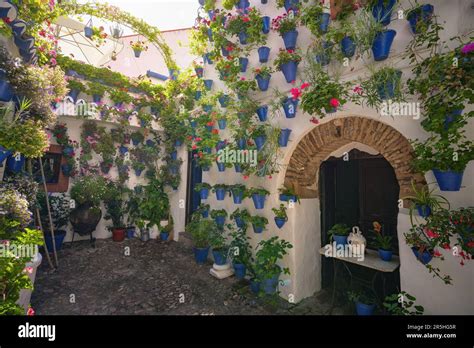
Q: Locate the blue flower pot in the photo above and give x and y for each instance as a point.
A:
(255, 286)
(197, 95)
(241, 143)
(220, 194)
(208, 84)
(164, 236)
(96, 98)
(290, 38)
(199, 72)
(24, 44)
(88, 32)
(423, 210)
(6, 91)
(425, 13)
(66, 169)
(364, 309)
(289, 106)
(15, 163)
(387, 90)
(123, 149)
(224, 51)
(18, 26)
(323, 26)
(284, 137)
(385, 255)
(173, 170)
(239, 222)
(224, 100)
(259, 142)
(138, 172)
(425, 257)
(205, 214)
(382, 43)
(242, 4)
(58, 240)
(209, 128)
(150, 143)
(174, 155)
(237, 196)
(200, 254)
(263, 54)
(220, 220)
(348, 47)
(4, 153)
(289, 71)
(220, 167)
(74, 94)
(263, 82)
(207, 108)
(262, 112)
(270, 285)
(137, 53)
(238, 168)
(222, 124)
(204, 193)
(243, 38)
(208, 59)
(291, 5)
(178, 143)
(383, 13)
(279, 221)
(448, 180)
(286, 198)
(131, 232)
(220, 258)
(240, 270)
(265, 24)
(340, 240)
(258, 201)
(452, 117)
(257, 229)
(243, 64)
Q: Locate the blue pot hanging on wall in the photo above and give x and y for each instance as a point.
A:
(4, 153)
(348, 47)
(241, 143)
(263, 54)
(243, 38)
(88, 32)
(220, 221)
(284, 137)
(204, 193)
(224, 100)
(423, 210)
(262, 113)
(220, 194)
(452, 117)
(243, 64)
(6, 90)
(237, 196)
(387, 90)
(423, 13)
(199, 71)
(208, 84)
(289, 106)
(222, 124)
(289, 71)
(237, 168)
(74, 94)
(424, 257)
(242, 4)
(291, 5)
(448, 180)
(290, 38)
(325, 18)
(265, 24)
(259, 142)
(18, 27)
(257, 229)
(382, 44)
(279, 221)
(263, 82)
(8, 10)
(24, 43)
(258, 201)
(382, 12)
(221, 166)
(239, 222)
(15, 163)
(197, 95)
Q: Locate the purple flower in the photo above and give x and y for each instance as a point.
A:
(468, 48)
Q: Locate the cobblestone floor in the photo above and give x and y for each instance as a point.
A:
(157, 278)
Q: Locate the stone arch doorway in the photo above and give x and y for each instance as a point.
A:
(303, 167)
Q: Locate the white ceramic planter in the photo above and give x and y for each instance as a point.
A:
(25, 294)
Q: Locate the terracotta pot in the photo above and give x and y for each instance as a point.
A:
(118, 234)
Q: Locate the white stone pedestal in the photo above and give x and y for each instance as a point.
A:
(221, 272)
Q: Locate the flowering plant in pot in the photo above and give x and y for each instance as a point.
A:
(258, 223)
(203, 189)
(258, 196)
(241, 218)
(247, 26)
(339, 233)
(114, 203)
(240, 252)
(138, 47)
(220, 248)
(60, 209)
(263, 76)
(238, 192)
(425, 201)
(269, 253)
(280, 215)
(364, 301)
(343, 35)
(315, 19)
(96, 90)
(288, 195)
(137, 137)
(462, 225)
(220, 190)
(287, 62)
(383, 242)
(219, 216)
(201, 231)
(285, 25)
(243, 86)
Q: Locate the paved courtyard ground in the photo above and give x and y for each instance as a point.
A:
(156, 278)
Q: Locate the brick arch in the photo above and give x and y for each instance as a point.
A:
(316, 146)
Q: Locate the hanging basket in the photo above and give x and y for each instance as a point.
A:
(290, 38)
(382, 44)
(263, 54)
(263, 82)
(284, 137)
(262, 113)
(448, 180)
(289, 71)
(265, 24)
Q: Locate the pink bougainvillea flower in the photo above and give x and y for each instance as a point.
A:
(305, 85)
(468, 48)
(334, 102)
(30, 312)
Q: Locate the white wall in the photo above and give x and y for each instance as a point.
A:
(303, 227)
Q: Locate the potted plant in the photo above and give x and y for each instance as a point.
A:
(166, 230)
(238, 191)
(137, 138)
(315, 18)
(138, 47)
(424, 201)
(246, 26)
(269, 253)
(217, 241)
(285, 25)
(284, 136)
(344, 36)
(96, 90)
(115, 205)
(383, 84)
(382, 10)
(203, 189)
(262, 112)
(339, 233)
(75, 88)
(258, 223)
(383, 242)
(287, 62)
(154, 205)
(220, 190)
(60, 209)
(241, 218)
(263, 76)
(201, 230)
(290, 106)
(240, 252)
(420, 17)
(263, 54)
(203, 210)
(364, 302)
(288, 195)
(258, 196)
(219, 216)
(280, 215)
(259, 135)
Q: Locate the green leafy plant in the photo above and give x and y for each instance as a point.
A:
(286, 56)
(339, 230)
(269, 253)
(89, 190)
(240, 249)
(402, 304)
(218, 213)
(256, 190)
(363, 296)
(201, 231)
(258, 221)
(285, 23)
(280, 212)
(424, 197)
(115, 204)
(311, 17)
